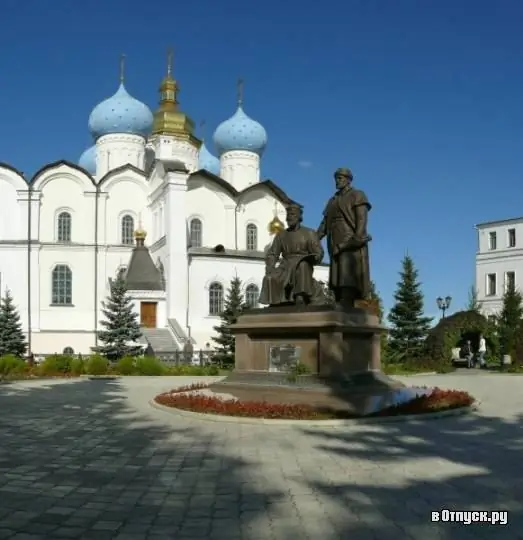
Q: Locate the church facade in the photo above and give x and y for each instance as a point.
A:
(147, 201)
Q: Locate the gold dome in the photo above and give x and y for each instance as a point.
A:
(140, 234)
(168, 119)
(276, 226)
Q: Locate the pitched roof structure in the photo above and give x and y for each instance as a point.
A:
(142, 274)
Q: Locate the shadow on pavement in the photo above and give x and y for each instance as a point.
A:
(77, 461)
(461, 463)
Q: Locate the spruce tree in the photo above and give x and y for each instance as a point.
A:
(12, 339)
(234, 305)
(122, 329)
(509, 320)
(375, 296)
(408, 325)
(473, 304)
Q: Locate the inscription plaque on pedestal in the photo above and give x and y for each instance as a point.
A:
(283, 357)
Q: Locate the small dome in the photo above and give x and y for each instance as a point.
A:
(121, 113)
(240, 132)
(207, 161)
(88, 160)
(275, 226)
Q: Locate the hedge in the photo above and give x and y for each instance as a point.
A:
(450, 333)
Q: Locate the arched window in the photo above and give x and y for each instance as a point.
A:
(252, 294)
(215, 299)
(68, 351)
(195, 232)
(127, 229)
(62, 286)
(63, 233)
(252, 237)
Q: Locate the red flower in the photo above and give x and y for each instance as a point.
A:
(187, 398)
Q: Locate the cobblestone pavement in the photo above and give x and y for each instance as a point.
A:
(91, 459)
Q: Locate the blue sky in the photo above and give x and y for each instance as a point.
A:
(423, 99)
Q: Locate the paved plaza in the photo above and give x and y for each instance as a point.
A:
(91, 459)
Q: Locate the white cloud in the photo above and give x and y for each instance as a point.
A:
(305, 164)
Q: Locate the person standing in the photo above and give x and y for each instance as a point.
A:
(482, 350)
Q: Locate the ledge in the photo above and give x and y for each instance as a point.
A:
(412, 418)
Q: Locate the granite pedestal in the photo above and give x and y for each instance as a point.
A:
(339, 353)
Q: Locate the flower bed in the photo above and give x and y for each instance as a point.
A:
(190, 399)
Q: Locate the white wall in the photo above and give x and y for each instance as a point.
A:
(498, 261)
(205, 270)
(240, 168)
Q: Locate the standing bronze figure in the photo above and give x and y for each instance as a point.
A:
(289, 279)
(345, 226)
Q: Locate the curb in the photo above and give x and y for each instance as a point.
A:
(316, 423)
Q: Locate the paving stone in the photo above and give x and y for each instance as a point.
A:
(93, 460)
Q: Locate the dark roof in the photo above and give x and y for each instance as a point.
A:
(276, 191)
(142, 274)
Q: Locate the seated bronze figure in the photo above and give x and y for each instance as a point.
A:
(290, 264)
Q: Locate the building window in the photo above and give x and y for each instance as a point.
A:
(510, 281)
(491, 284)
(127, 231)
(195, 232)
(215, 299)
(68, 351)
(63, 233)
(252, 237)
(511, 238)
(62, 286)
(252, 294)
(492, 240)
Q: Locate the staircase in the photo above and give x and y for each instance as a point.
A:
(160, 340)
(179, 333)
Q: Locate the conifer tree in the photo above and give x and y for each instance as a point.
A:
(408, 324)
(122, 329)
(509, 320)
(12, 339)
(375, 296)
(233, 307)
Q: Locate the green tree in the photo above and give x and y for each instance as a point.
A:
(122, 330)
(233, 308)
(473, 304)
(509, 320)
(375, 296)
(408, 324)
(12, 339)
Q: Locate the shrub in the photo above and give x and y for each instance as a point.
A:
(77, 366)
(188, 398)
(10, 364)
(193, 371)
(149, 365)
(56, 364)
(97, 365)
(450, 332)
(125, 366)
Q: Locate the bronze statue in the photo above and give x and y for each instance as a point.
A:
(345, 226)
(289, 280)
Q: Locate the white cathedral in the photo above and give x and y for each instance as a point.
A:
(149, 202)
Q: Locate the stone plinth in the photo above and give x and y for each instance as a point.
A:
(332, 343)
(341, 351)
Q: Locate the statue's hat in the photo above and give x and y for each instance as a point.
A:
(343, 171)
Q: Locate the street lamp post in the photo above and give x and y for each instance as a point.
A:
(443, 304)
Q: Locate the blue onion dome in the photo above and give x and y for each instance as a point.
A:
(240, 132)
(207, 161)
(121, 113)
(88, 160)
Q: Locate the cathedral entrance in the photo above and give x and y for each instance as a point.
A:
(148, 314)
